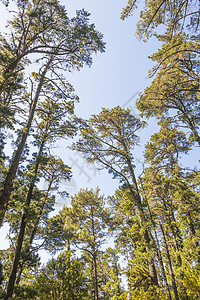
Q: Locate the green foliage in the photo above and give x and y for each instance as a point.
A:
(109, 139)
(171, 13)
(127, 11)
(166, 147)
(109, 276)
(154, 222)
(140, 286)
(191, 282)
(56, 235)
(87, 219)
(62, 278)
(174, 93)
(25, 291)
(42, 28)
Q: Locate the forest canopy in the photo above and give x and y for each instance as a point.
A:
(142, 241)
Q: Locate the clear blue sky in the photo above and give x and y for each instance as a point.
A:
(122, 70)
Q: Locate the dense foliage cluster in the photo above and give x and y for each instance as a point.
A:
(153, 219)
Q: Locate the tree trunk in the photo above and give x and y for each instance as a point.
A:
(160, 260)
(152, 268)
(169, 263)
(150, 260)
(34, 231)
(96, 292)
(8, 183)
(159, 254)
(177, 239)
(11, 282)
(13, 273)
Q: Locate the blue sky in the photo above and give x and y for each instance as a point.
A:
(115, 78)
(122, 70)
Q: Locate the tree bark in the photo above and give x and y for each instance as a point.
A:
(8, 183)
(159, 254)
(34, 231)
(147, 240)
(150, 260)
(11, 282)
(13, 273)
(96, 292)
(169, 263)
(160, 260)
(177, 239)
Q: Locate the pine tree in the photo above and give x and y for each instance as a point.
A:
(174, 93)
(70, 46)
(53, 124)
(109, 139)
(90, 218)
(62, 278)
(172, 14)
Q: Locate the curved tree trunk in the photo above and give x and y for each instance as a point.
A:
(34, 231)
(147, 240)
(160, 260)
(96, 292)
(8, 183)
(169, 263)
(13, 273)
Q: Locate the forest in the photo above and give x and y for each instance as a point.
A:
(142, 241)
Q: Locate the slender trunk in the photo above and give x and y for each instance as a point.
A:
(169, 263)
(159, 254)
(118, 285)
(174, 229)
(150, 260)
(11, 282)
(147, 240)
(8, 183)
(19, 275)
(176, 245)
(160, 260)
(96, 292)
(13, 273)
(34, 231)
